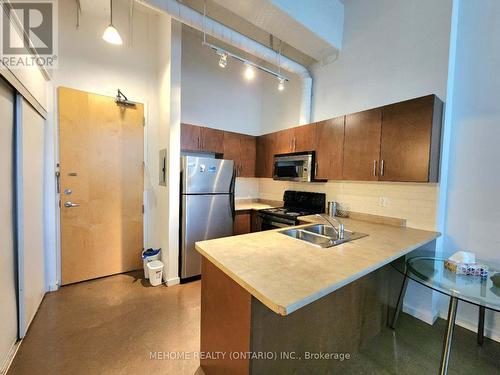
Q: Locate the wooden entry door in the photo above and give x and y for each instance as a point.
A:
(101, 166)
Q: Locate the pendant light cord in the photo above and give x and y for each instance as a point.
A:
(204, 23)
(111, 12)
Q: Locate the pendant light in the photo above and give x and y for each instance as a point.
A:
(111, 35)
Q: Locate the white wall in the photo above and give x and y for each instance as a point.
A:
(169, 94)
(473, 204)
(88, 63)
(215, 97)
(392, 50)
(223, 99)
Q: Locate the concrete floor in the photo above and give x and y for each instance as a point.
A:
(111, 325)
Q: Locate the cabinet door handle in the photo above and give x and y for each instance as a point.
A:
(315, 169)
(294, 144)
(382, 167)
(198, 140)
(374, 167)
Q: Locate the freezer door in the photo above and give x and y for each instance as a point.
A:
(204, 217)
(206, 175)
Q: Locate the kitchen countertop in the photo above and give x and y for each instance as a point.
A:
(286, 274)
(246, 204)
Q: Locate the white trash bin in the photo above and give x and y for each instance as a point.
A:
(155, 270)
(148, 256)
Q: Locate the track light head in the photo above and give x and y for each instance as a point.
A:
(281, 85)
(223, 59)
(249, 72)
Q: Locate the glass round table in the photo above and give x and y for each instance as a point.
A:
(431, 272)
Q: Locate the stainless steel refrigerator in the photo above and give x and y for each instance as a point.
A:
(206, 207)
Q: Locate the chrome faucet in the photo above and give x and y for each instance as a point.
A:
(328, 218)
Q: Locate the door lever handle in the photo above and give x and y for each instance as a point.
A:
(70, 204)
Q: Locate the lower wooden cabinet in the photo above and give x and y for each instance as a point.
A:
(242, 223)
(256, 224)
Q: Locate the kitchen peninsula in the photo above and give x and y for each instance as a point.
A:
(269, 293)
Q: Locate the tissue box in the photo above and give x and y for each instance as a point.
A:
(468, 269)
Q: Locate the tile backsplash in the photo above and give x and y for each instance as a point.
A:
(417, 203)
(247, 188)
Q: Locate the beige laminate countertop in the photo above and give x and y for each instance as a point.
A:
(244, 206)
(286, 274)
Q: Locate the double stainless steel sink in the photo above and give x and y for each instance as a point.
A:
(321, 235)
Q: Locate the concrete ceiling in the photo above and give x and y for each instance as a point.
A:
(314, 27)
(247, 28)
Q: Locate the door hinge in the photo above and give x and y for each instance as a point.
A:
(142, 208)
(144, 121)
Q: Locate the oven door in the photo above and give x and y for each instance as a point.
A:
(269, 222)
(293, 167)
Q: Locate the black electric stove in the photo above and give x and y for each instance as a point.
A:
(296, 203)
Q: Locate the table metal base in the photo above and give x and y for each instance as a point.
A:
(480, 326)
(448, 336)
(399, 304)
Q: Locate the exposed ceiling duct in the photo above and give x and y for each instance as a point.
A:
(219, 31)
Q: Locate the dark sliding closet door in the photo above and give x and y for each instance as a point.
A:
(8, 267)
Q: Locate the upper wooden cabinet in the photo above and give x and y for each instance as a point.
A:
(329, 141)
(304, 138)
(190, 137)
(266, 147)
(411, 135)
(199, 138)
(397, 142)
(248, 147)
(298, 139)
(242, 149)
(284, 141)
(362, 145)
(212, 140)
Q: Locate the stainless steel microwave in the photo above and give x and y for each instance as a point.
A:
(294, 167)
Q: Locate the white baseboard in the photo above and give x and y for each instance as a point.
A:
(173, 281)
(472, 326)
(424, 315)
(10, 357)
(53, 287)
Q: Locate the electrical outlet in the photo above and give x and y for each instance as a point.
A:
(383, 201)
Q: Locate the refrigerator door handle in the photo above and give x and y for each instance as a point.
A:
(231, 192)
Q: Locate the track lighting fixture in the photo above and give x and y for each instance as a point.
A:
(223, 59)
(250, 67)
